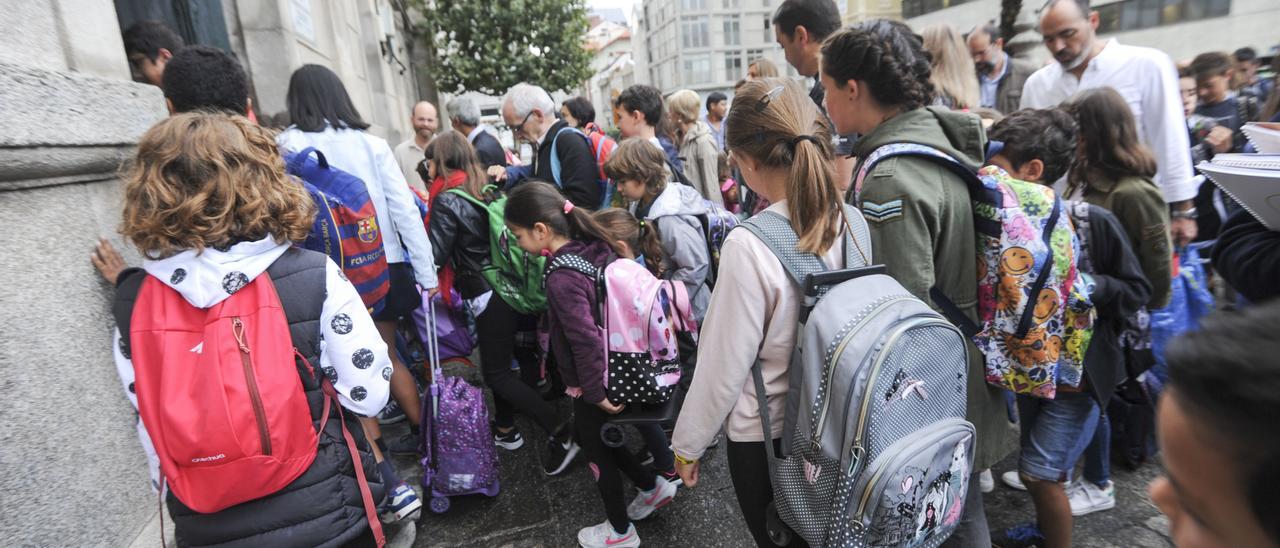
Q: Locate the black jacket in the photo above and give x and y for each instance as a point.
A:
(489, 149)
(1247, 256)
(459, 234)
(323, 506)
(578, 171)
(1120, 289)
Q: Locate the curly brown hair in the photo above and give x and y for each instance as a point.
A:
(204, 179)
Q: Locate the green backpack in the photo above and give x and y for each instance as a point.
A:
(514, 275)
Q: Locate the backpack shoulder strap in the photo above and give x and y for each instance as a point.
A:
(581, 265)
(555, 154)
(777, 233)
(926, 152)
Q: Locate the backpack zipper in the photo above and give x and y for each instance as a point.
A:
(259, 412)
(859, 322)
(857, 452)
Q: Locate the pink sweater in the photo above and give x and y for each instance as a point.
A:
(753, 311)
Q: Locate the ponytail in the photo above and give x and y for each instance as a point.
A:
(536, 202)
(639, 235)
(774, 122)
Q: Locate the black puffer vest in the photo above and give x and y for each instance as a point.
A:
(323, 506)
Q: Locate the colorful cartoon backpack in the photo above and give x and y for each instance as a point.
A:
(1035, 319)
(640, 315)
(346, 225)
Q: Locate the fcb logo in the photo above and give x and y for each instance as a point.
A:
(368, 230)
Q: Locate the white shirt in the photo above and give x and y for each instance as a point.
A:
(404, 237)
(1148, 81)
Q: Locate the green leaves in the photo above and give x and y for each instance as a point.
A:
(489, 46)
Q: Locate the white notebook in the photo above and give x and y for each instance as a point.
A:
(1264, 136)
(1257, 190)
(1253, 161)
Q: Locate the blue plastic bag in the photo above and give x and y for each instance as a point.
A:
(1190, 301)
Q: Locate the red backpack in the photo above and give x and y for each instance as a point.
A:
(219, 393)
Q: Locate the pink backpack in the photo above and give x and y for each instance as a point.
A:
(640, 319)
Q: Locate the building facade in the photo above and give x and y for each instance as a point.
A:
(71, 470)
(1181, 28)
(703, 45)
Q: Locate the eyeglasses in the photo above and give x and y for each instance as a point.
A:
(768, 98)
(525, 120)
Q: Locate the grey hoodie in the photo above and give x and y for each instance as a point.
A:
(675, 213)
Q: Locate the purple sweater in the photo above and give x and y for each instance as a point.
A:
(575, 340)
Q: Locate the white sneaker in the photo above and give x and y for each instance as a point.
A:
(1012, 480)
(986, 481)
(603, 536)
(648, 501)
(1087, 498)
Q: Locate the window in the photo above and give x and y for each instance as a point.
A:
(768, 30)
(733, 65)
(697, 69)
(1140, 14)
(694, 32)
(693, 5)
(727, 4)
(732, 37)
(753, 54)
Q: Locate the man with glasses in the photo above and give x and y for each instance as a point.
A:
(1000, 77)
(562, 153)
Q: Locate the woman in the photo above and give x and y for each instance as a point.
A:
(954, 76)
(578, 112)
(697, 145)
(782, 143)
(877, 81)
(324, 117)
(761, 68)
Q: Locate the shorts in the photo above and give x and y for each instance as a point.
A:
(1055, 433)
(402, 295)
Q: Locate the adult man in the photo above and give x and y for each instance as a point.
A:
(413, 150)
(717, 107)
(1000, 77)
(531, 113)
(464, 115)
(1247, 63)
(149, 45)
(1145, 77)
(800, 26)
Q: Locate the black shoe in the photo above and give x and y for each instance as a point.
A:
(644, 457)
(406, 444)
(1020, 536)
(559, 455)
(509, 440)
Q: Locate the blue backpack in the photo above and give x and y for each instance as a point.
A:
(606, 189)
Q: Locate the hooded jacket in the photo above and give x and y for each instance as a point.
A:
(921, 222)
(576, 341)
(328, 323)
(675, 213)
(702, 161)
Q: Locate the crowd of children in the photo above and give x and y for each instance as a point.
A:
(213, 204)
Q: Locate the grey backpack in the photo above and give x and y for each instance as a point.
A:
(876, 448)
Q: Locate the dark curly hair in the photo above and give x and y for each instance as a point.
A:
(1048, 135)
(886, 56)
(201, 77)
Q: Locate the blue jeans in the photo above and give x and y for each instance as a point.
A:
(1055, 433)
(1097, 457)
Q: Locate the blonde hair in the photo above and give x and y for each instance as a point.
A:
(686, 105)
(953, 73)
(204, 179)
(773, 121)
(765, 67)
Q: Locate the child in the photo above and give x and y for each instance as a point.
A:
(1217, 431)
(728, 186)
(1038, 147)
(325, 118)
(638, 113)
(186, 167)
(545, 223)
(459, 231)
(635, 240)
(671, 209)
(782, 143)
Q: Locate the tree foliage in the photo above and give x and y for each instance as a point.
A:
(491, 45)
